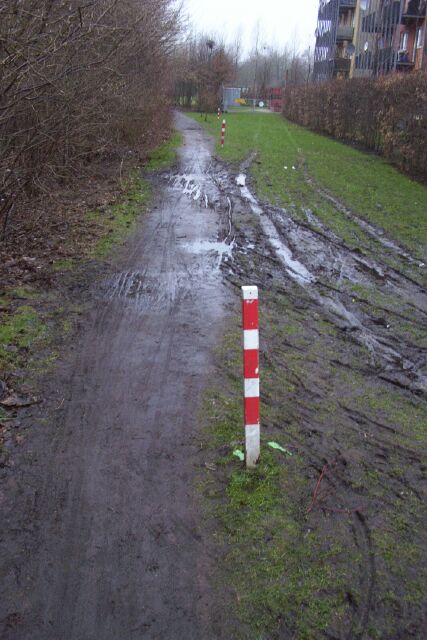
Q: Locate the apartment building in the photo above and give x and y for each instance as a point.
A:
(357, 38)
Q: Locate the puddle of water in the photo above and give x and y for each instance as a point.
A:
(188, 184)
(204, 246)
(222, 249)
(294, 268)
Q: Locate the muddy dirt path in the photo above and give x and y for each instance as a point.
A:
(110, 545)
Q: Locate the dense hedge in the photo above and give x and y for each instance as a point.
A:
(386, 114)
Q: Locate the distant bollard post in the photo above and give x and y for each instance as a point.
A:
(251, 374)
(223, 133)
(219, 112)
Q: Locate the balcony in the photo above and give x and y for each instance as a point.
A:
(391, 13)
(404, 66)
(326, 40)
(347, 4)
(415, 11)
(342, 66)
(344, 32)
(327, 11)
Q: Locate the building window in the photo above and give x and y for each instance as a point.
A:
(419, 38)
(404, 41)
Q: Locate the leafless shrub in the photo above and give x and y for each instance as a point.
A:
(78, 78)
(388, 115)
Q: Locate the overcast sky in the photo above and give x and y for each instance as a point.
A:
(282, 21)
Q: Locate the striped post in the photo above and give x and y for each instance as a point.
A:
(251, 374)
(223, 133)
(219, 112)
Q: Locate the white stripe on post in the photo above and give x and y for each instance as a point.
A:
(251, 374)
(251, 387)
(251, 339)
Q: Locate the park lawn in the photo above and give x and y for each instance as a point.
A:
(292, 162)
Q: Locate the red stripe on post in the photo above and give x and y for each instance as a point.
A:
(250, 314)
(251, 363)
(251, 411)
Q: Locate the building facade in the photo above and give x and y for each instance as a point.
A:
(334, 34)
(359, 38)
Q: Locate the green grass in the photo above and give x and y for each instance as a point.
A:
(20, 332)
(118, 221)
(165, 154)
(365, 183)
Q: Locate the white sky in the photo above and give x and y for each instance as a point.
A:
(281, 21)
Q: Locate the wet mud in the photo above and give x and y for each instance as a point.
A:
(102, 531)
(320, 262)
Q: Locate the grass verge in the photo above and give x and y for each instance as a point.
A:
(304, 573)
(292, 161)
(351, 566)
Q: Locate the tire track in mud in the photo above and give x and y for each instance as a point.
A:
(330, 259)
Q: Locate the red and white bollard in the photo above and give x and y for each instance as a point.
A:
(223, 133)
(219, 112)
(251, 374)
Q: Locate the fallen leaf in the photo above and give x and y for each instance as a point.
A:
(276, 445)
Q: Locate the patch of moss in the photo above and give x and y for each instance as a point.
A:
(19, 332)
(63, 265)
(119, 220)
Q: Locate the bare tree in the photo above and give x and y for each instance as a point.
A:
(203, 64)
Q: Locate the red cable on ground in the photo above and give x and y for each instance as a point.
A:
(317, 488)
